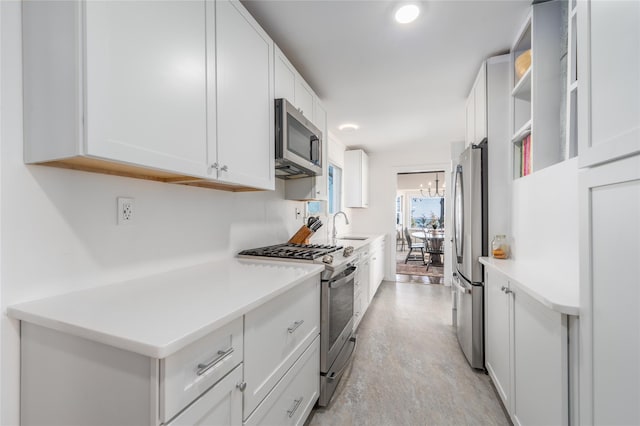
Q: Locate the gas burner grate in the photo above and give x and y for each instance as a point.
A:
(292, 251)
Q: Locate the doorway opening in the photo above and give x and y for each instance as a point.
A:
(420, 227)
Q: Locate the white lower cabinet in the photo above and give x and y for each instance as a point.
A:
(526, 353)
(291, 400)
(268, 358)
(498, 353)
(377, 267)
(220, 405)
(276, 334)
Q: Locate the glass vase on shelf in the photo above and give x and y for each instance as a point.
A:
(500, 247)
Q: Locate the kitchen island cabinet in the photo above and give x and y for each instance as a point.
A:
(531, 342)
(166, 349)
(164, 106)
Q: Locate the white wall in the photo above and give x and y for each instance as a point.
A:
(544, 220)
(59, 231)
(379, 217)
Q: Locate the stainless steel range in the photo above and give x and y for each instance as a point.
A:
(337, 342)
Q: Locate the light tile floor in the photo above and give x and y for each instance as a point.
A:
(409, 369)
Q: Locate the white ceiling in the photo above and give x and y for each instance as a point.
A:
(403, 84)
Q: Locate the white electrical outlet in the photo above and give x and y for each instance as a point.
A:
(125, 210)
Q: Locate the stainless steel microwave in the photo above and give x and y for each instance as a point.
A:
(298, 143)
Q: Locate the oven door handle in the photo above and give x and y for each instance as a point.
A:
(332, 376)
(342, 281)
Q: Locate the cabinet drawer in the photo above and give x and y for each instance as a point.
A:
(276, 334)
(191, 371)
(294, 396)
(220, 405)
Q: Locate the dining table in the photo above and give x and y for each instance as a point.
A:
(436, 238)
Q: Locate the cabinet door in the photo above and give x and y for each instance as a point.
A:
(498, 337)
(244, 98)
(284, 77)
(470, 119)
(320, 120)
(610, 294)
(609, 87)
(146, 84)
(541, 392)
(480, 98)
(220, 405)
(304, 98)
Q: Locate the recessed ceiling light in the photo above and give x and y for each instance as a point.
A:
(349, 127)
(407, 13)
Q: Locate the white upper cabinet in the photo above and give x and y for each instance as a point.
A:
(609, 87)
(169, 91)
(356, 178)
(290, 85)
(243, 100)
(476, 109)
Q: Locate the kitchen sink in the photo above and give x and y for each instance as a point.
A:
(351, 237)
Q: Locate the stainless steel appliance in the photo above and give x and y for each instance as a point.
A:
(298, 143)
(470, 243)
(337, 342)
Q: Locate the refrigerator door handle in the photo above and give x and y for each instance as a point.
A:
(458, 215)
(460, 287)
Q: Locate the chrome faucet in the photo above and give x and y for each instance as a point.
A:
(334, 232)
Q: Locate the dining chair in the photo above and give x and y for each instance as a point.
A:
(413, 246)
(434, 249)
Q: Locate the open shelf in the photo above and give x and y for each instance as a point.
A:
(522, 90)
(522, 133)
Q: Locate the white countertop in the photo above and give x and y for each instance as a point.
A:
(160, 314)
(563, 297)
(369, 239)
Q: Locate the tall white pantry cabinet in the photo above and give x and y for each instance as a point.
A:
(609, 145)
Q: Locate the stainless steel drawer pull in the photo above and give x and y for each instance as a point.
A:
(203, 368)
(295, 326)
(296, 404)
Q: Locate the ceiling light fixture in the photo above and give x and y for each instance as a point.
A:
(407, 13)
(437, 193)
(348, 127)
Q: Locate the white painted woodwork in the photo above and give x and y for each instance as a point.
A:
(304, 98)
(608, 83)
(476, 108)
(284, 77)
(356, 178)
(68, 380)
(480, 100)
(609, 293)
(498, 338)
(361, 292)
(499, 154)
(527, 350)
(180, 382)
(243, 98)
(106, 385)
(535, 100)
(110, 92)
(470, 115)
(292, 399)
(377, 267)
(178, 104)
(220, 405)
(275, 338)
(541, 392)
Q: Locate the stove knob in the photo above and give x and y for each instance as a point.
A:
(348, 251)
(328, 259)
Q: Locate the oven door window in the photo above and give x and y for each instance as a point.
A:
(340, 308)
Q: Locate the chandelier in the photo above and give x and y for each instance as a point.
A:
(438, 193)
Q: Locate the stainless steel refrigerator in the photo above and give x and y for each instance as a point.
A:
(470, 243)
